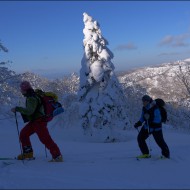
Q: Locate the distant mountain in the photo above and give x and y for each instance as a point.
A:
(187, 60)
(159, 81)
(10, 81)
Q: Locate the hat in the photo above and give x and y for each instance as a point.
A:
(146, 98)
(25, 85)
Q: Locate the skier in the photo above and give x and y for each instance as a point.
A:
(33, 114)
(151, 120)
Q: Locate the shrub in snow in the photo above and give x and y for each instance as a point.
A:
(103, 103)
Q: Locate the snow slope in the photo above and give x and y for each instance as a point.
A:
(93, 165)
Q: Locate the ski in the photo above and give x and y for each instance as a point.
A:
(139, 159)
(152, 158)
(143, 157)
(10, 161)
(7, 158)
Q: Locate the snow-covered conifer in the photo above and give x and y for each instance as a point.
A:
(103, 103)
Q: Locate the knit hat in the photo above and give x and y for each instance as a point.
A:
(146, 98)
(25, 85)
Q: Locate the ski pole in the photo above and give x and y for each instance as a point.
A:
(45, 151)
(147, 116)
(142, 126)
(19, 137)
(138, 130)
(149, 136)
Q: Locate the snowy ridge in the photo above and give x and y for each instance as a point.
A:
(161, 78)
(160, 81)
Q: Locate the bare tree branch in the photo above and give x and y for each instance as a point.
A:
(3, 48)
(184, 77)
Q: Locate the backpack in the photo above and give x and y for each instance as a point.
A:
(49, 100)
(160, 103)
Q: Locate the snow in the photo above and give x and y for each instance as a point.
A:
(102, 101)
(187, 60)
(89, 164)
(97, 71)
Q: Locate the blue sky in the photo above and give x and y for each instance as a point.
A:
(46, 36)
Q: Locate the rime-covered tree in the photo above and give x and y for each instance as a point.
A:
(5, 72)
(4, 49)
(103, 103)
(183, 75)
(8, 88)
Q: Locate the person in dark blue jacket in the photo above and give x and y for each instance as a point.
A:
(151, 124)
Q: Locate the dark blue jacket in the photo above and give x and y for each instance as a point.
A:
(151, 117)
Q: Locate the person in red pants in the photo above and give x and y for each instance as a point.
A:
(34, 114)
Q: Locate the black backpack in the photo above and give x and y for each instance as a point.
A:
(160, 103)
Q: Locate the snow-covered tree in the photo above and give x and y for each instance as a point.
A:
(183, 75)
(103, 103)
(4, 49)
(5, 73)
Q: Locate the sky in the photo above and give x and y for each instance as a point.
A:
(46, 37)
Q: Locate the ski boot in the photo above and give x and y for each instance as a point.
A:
(27, 154)
(143, 156)
(57, 159)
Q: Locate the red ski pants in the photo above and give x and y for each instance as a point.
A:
(39, 127)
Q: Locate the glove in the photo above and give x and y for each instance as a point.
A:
(146, 116)
(138, 124)
(13, 110)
